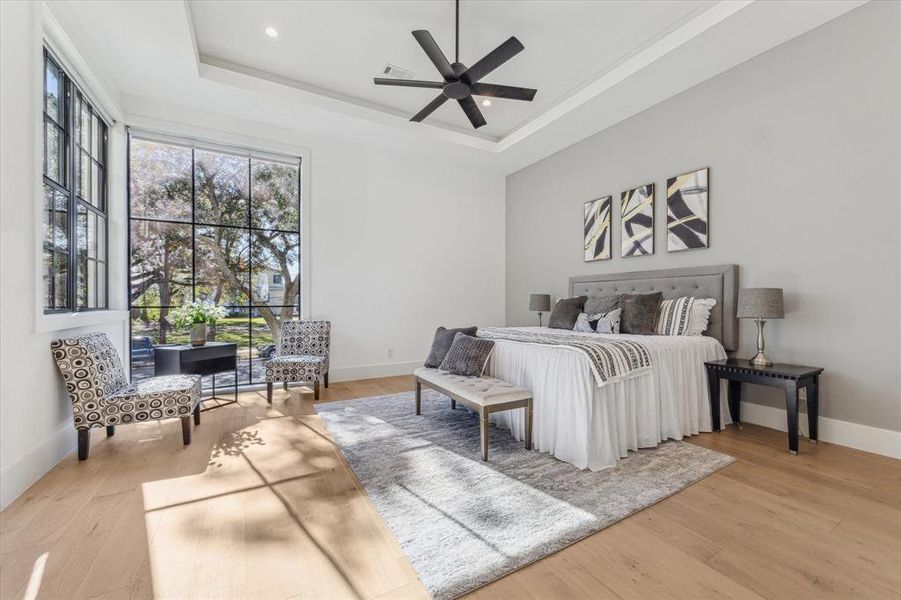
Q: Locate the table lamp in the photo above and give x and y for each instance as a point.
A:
(539, 303)
(760, 304)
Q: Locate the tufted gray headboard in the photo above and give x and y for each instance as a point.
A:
(720, 282)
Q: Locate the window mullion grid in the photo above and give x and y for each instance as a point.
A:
(69, 178)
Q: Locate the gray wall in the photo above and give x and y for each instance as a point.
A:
(803, 148)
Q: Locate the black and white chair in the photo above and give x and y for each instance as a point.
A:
(101, 395)
(301, 356)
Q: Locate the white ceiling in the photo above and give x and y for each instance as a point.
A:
(337, 47)
(594, 63)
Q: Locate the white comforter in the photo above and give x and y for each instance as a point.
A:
(593, 427)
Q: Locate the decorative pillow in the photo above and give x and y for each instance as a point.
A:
(674, 316)
(699, 316)
(639, 315)
(442, 343)
(599, 305)
(566, 312)
(467, 356)
(599, 323)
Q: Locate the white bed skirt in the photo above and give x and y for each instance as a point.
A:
(593, 427)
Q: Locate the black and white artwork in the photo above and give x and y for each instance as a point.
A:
(597, 229)
(686, 211)
(637, 209)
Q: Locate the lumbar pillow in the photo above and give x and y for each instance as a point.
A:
(699, 316)
(442, 343)
(467, 356)
(674, 316)
(639, 315)
(566, 312)
(598, 323)
(600, 304)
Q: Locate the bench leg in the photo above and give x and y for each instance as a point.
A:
(197, 415)
(316, 390)
(418, 387)
(453, 404)
(269, 393)
(110, 430)
(529, 426)
(483, 418)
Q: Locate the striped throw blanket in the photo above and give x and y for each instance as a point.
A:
(610, 359)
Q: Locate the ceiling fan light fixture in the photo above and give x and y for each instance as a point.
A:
(271, 32)
(459, 82)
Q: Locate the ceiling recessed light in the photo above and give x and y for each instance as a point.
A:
(486, 102)
(272, 32)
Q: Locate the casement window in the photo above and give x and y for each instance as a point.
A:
(74, 254)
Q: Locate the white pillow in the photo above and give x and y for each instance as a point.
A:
(699, 316)
(606, 323)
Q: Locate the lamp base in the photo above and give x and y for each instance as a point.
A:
(760, 360)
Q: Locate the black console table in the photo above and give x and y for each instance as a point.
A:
(209, 359)
(791, 378)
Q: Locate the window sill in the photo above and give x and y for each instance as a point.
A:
(61, 322)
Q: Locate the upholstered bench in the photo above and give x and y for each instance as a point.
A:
(483, 395)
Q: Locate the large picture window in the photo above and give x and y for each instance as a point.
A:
(75, 197)
(213, 226)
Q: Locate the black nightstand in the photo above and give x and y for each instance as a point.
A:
(791, 378)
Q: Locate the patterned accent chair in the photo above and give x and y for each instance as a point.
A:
(301, 355)
(101, 395)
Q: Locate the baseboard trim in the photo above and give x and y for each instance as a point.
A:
(23, 472)
(844, 433)
(372, 371)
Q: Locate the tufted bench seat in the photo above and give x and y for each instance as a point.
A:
(483, 395)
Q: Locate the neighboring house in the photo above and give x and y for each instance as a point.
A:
(269, 287)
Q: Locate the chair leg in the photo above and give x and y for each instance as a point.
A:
(325, 378)
(110, 430)
(186, 430)
(316, 390)
(84, 443)
(269, 392)
(197, 415)
(286, 386)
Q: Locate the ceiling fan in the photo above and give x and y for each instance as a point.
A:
(459, 82)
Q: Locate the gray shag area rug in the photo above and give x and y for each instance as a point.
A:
(463, 523)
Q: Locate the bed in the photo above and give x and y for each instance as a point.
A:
(593, 426)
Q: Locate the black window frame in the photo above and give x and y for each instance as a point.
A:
(72, 153)
(196, 223)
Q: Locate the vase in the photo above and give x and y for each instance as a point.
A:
(199, 334)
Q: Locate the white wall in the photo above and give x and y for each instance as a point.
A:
(803, 148)
(35, 415)
(399, 244)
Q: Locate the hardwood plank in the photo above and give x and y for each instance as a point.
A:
(263, 505)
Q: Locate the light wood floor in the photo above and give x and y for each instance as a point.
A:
(261, 504)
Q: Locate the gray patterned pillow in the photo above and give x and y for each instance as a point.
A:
(442, 342)
(467, 356)
(601, 304)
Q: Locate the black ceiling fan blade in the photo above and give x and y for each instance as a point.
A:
(408, 82)
(503, 91)
(493, 60)
(472, 111)
(430, 46)
(429, 108)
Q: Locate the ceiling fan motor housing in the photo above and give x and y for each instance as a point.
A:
(457, 89)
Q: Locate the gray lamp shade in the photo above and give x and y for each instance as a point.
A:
(540, 302)
(760, 303)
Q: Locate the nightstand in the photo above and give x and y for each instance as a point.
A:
(791, 378)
